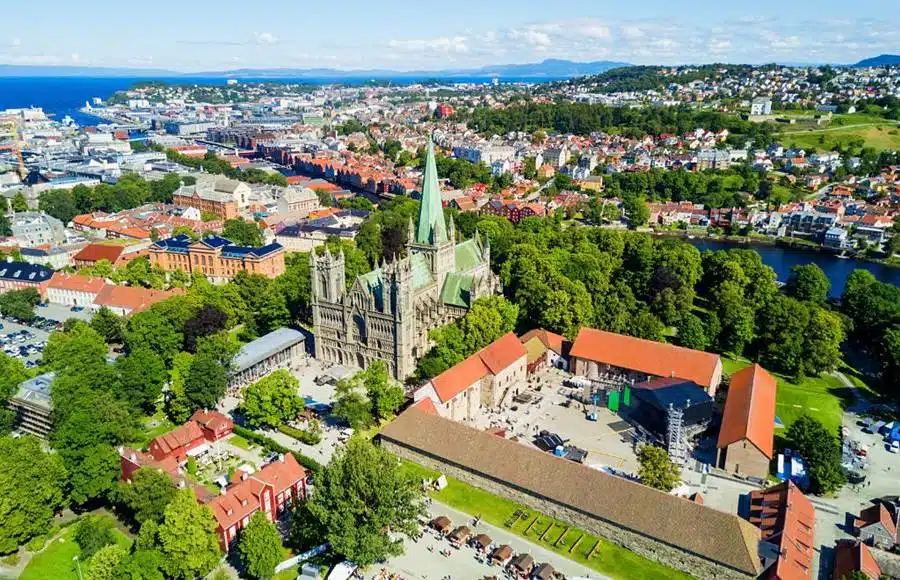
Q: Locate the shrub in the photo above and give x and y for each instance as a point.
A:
(310, 436)
(273, 446)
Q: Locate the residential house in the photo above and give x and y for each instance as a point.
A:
(876, 527)
(73, 289)
(854, 556)
(747, 434)
(787, 520)
(203, 427)
(482, 380)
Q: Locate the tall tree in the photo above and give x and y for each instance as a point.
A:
(359, 495)
(206, 381)
(656, 469)
(104, 565)
(259, 547)
(31, 490)
(242, 233)
(147, 496)
(822, 453)
(272, 400)
(187, 538)
(824, 337)
(93, 533)
(808, 283)
(12, 373)
(109, 325)
(19, 203)
(142, 374)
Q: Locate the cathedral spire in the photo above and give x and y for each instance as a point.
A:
(431, 228)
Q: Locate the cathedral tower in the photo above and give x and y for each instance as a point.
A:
(432, 238)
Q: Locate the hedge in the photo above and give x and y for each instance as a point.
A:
(301, 435)
(273, 446)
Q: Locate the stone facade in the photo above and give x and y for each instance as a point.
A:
(743, 457)
(387, 313)
(647, 547)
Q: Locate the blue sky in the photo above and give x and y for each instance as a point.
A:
(402, 34)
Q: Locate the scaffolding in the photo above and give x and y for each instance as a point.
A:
(675, 436)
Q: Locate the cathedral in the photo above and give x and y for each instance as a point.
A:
(387, 313)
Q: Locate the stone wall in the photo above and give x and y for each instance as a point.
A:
(888, 562)
(650, 548)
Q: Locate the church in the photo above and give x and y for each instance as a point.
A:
(387, 313)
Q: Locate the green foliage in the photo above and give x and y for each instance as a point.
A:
(31, 490)
(93, 533)
(272, 400)
(368, 396)
(296, 286)
(141, 565)
(242, 233)
(312, 435)
(656, 469)
(20, 303)
(259, 547)
(130, 191)
(272, 446)
(636, 211)
(12, 373)
(306, 530)
(206, 380)
(147, 496)
(109, 325)
(187, 538)
(808, 283)
(19, 203)
(104, 564)
(142, 374)
(822, 452)
(360, 494)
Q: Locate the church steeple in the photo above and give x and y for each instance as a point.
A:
(431, 228)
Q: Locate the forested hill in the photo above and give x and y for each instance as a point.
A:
(654, 78)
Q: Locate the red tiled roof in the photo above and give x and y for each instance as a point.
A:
(212, 420)
(853, 555)
(645, 356)
(426, 405)
(76, 283)
(503, 352)
(97, 252)
(133, 298)
(551, 340)
(282, 473)
(492, 359)
(877, 514)
(750, 410)
(786, 518)
(178, 437)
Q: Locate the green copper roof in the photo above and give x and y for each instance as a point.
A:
(421, 272)
(457, 290)
(375, 282)
(431, 228)
(468, 255)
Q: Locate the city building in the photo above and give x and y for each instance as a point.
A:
(761, 106)
(693, 538)
(747, 434)
(219, 196)
(485, 379)
(202, 428)
(309, 234)
(56, 258)
(126, 300)
(73, 289)
(283, 348)
(298, 200)
(387, 313)
(548, 348)
(787, 520)
(93, 253)
(20, 275)
(271, 490)
(31, 228)
(876, 527)
(596, 354)
(34, 406)
(853, 556)
(216, 257)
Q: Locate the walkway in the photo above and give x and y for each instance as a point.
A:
(418, 563)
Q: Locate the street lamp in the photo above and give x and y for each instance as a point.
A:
(78, 567)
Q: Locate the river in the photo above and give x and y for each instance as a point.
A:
(783, 259)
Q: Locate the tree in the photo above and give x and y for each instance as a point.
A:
(808, 283)
(637, 211)
(93, 533)
(386, 395)
(352, 406)
(306, 530)
(142, 564)
(155, 329)
(657, 470)
(109, 325)
(824, 336)
(206, 381)
(272, 400)
(178, 407)
(20, 303)
(31, 490)
(12, 373)
(58, 203)
(142, 374)
(147, 496)
(259, 547)
(361, 494)
(187, 538)
(242, 233)
(783, 325)
(208, 320)
(104, 564)
(822, 453)
(19, 203)
(691, 332)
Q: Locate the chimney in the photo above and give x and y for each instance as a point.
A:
(281, 457)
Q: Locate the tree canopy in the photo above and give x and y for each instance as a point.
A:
(272, 400)
(259, 547)
(187, 538)
(656, 469)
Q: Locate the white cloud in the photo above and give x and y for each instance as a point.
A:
(633, 32)
(533, 36)
(76, 57)
(443, 44)
(15, 42)
(265, 38)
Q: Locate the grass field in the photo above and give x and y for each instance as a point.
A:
(879, 135)
(822, 397)
(56, 561)
(571, 543)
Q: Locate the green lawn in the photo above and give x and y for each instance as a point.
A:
(604, 557)
(822, 397)
(881, 136)
(162, 425)
(56, 561)
(239, 441)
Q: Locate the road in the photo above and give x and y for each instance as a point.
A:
(418, 563)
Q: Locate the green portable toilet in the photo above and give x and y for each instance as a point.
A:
(613, 402)
(626, 397)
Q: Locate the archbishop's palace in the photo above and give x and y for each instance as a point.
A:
(388, 312)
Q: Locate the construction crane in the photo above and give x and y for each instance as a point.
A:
(17, 143)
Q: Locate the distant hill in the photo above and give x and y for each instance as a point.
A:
(880, 60)
(550, 69)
